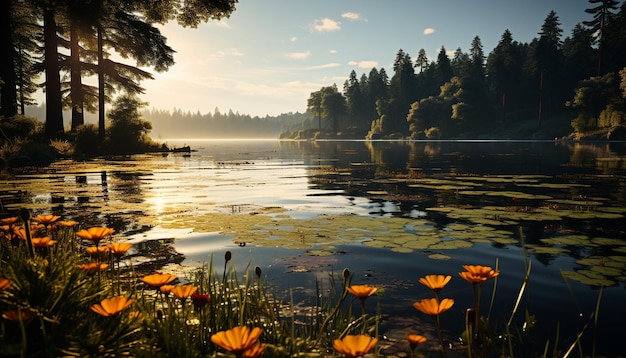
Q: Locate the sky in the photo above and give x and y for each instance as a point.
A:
(269, 55)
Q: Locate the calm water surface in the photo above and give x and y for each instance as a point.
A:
(395, 211)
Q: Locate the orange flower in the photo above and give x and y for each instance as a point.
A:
(19, 232)
(184, 292)
(362, 291)
(237, 340)
(43, 242)
(4, 284)
(97, 252)
(354, 345)
(157, 280)
(15, 316)
(432, 306)
(253, 352)
(68, 223)
(46, 219)
(95, 233)
(435, 282)
(166, 288)
(478, 274)
(93, 267)
(112, 306)
(118, 249)
(9, 221)
(415, 339)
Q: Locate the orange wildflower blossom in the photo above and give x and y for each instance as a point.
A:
(435, 282)
(432, 306)
(17, 316)
(184, 292)
(255, 351)
(362, 291)
(97, 252)
(9, 221)
(157, 280)
(112, 306)
(415, 339)
(46, 219)
(4, 284)
(19, 232)
(68, 223)
(95, 233)
(237, 340)
(93, 267)
(118, 249)
(166, 289)
(478, 274)
(353, 346)
(43, 242)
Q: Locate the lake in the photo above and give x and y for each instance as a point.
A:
(391, 212)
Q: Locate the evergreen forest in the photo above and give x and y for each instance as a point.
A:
(558, 85)
(553, 86)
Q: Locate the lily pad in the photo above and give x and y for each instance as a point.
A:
(439, 257)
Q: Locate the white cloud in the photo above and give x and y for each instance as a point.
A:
(352, 16)
(299, 55)
(293, 39)
(333, 51)
(321, 67)
(231, 52)
(326, 25)
(429, 31)
(364, 64)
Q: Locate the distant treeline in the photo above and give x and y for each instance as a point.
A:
(179, 124)
(185, 124)
(570, 83)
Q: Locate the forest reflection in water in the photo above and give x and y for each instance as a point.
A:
(390, 211)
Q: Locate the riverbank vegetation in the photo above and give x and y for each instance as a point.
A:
(73, 291)
(550, 87)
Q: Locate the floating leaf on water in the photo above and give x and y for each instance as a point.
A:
(440, 186)
(439, 257)
(583, 278)
(608, 241)
(578, 240)
(576, 202)
(519, 195)
(555, 185)
(546, 249)
(614, 209)
(401, 249)
(319, 252)
(451, 245)
(377, 192)
(607, 271)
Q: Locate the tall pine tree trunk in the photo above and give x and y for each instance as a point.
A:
(100, 86)
(76, 84)
(54, 109)
(8, 92)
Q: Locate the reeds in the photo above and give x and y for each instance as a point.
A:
(55, 303)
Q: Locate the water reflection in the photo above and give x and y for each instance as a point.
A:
(466, 201)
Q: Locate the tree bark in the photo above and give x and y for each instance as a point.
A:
(76, 84)
(101, 98)
(8, 92)
(54, 109)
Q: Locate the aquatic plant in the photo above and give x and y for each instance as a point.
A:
(71, 300)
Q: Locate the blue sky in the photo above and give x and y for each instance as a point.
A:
(271, 54)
